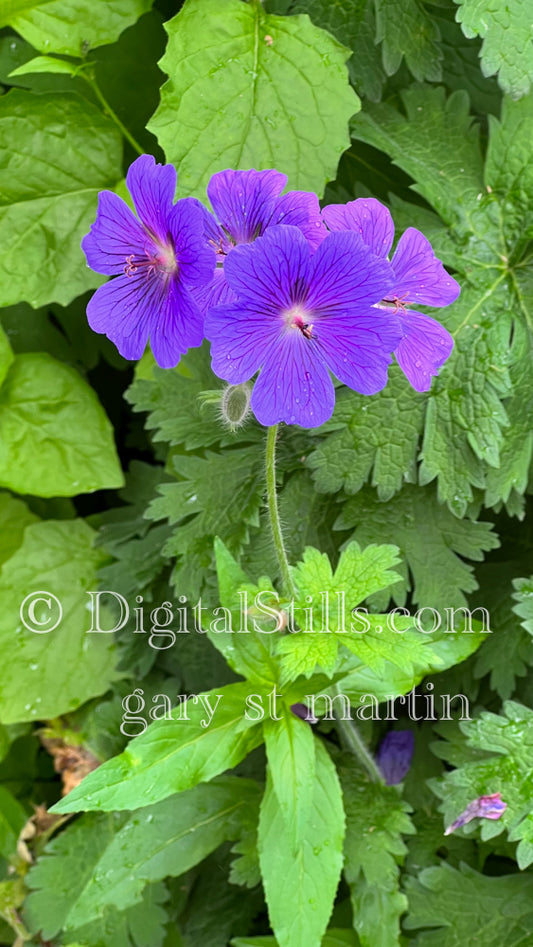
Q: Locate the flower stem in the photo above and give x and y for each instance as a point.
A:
(273, 511)
(353, 741)
(112, 114)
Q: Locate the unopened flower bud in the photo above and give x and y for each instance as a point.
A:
(235, 405)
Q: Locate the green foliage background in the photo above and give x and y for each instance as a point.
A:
(122, 477)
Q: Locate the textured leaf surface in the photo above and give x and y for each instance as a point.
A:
(66, 152)
(45, 675)
(55, 438)
(262, 92)
(507, 33)
(70, 26)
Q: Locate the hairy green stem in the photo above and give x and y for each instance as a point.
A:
(113, 115)
(273, 510)
(353, 741)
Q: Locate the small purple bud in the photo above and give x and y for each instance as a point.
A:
(394, 755)
(484, 807)
(303, 712)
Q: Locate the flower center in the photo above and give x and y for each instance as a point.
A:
(159, 260)
(296, 318)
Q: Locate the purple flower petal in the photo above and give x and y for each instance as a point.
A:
(394, 755)
(269, 273)
(196, 261)
(244, 201)
(293, 386)
(367, 217)
(180, 326)
(357, 348)
(484, 807)
(301, 209)
(239, 336)
(152, 187)
(215, 293)
(115, 234)
(345, 273)
(125, 309)
(419, 276)
(424, 347)
(302, 711)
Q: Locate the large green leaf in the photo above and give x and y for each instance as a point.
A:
(70, 26)
(250, 90)
(55, 437)
(47, 674)
(172, 755)
(103, 861)
(66, 151)
(300, 882)
(507, 32)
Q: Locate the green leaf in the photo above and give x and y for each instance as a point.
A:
(300, 884)
(290, 749)
(459, 903)
(406, 30)
(45, 64)
(507, 34)
(55, 437)
(494, 755)
(66, 152)
(251, 90)
(70, 26)
(172, 755)
(376, 818)
(353, 24)
(6, 355)
(523, 596)
(14, 517)
(102, 861)
(12, 818)
(46, 674)
(432, 542)
(334, 937)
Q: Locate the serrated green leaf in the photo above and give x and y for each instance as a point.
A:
(45, 64)
(67, 150)
(103, 861)
(459, 903)
(376, 818)
(507, 34)
(494, 755)
(407, 30)
(290, 749)
(70, 26)
(47, 674)
(261, 95)
(172, 755)
(523, 596)
(14, 517)
(300, 884)
(432, 543)
(56, 439)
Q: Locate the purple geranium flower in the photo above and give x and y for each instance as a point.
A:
(394, 755)
(419, 278)
(245, 205)
(299, 316)
(157, 258)
(484, 807)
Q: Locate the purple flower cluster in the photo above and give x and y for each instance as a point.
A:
(276, 286)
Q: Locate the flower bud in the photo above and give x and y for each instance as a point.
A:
(235, 405)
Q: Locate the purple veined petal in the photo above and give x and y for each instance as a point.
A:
(424, 348)
(357, 347)
(239, 337)
(179, 326)
(419, 277)
(367, 217)
(152, 187)
(215, 293)
(394, 755)
(244, 201)
(114, 236)
(294, 384)
(484, 807)
(213, 233)
(125, 310)
(196, 260)
(345, 274)
(301, 209)
(273, 272)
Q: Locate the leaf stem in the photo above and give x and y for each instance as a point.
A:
(273, 511)
(112, 114)
(353, 741)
